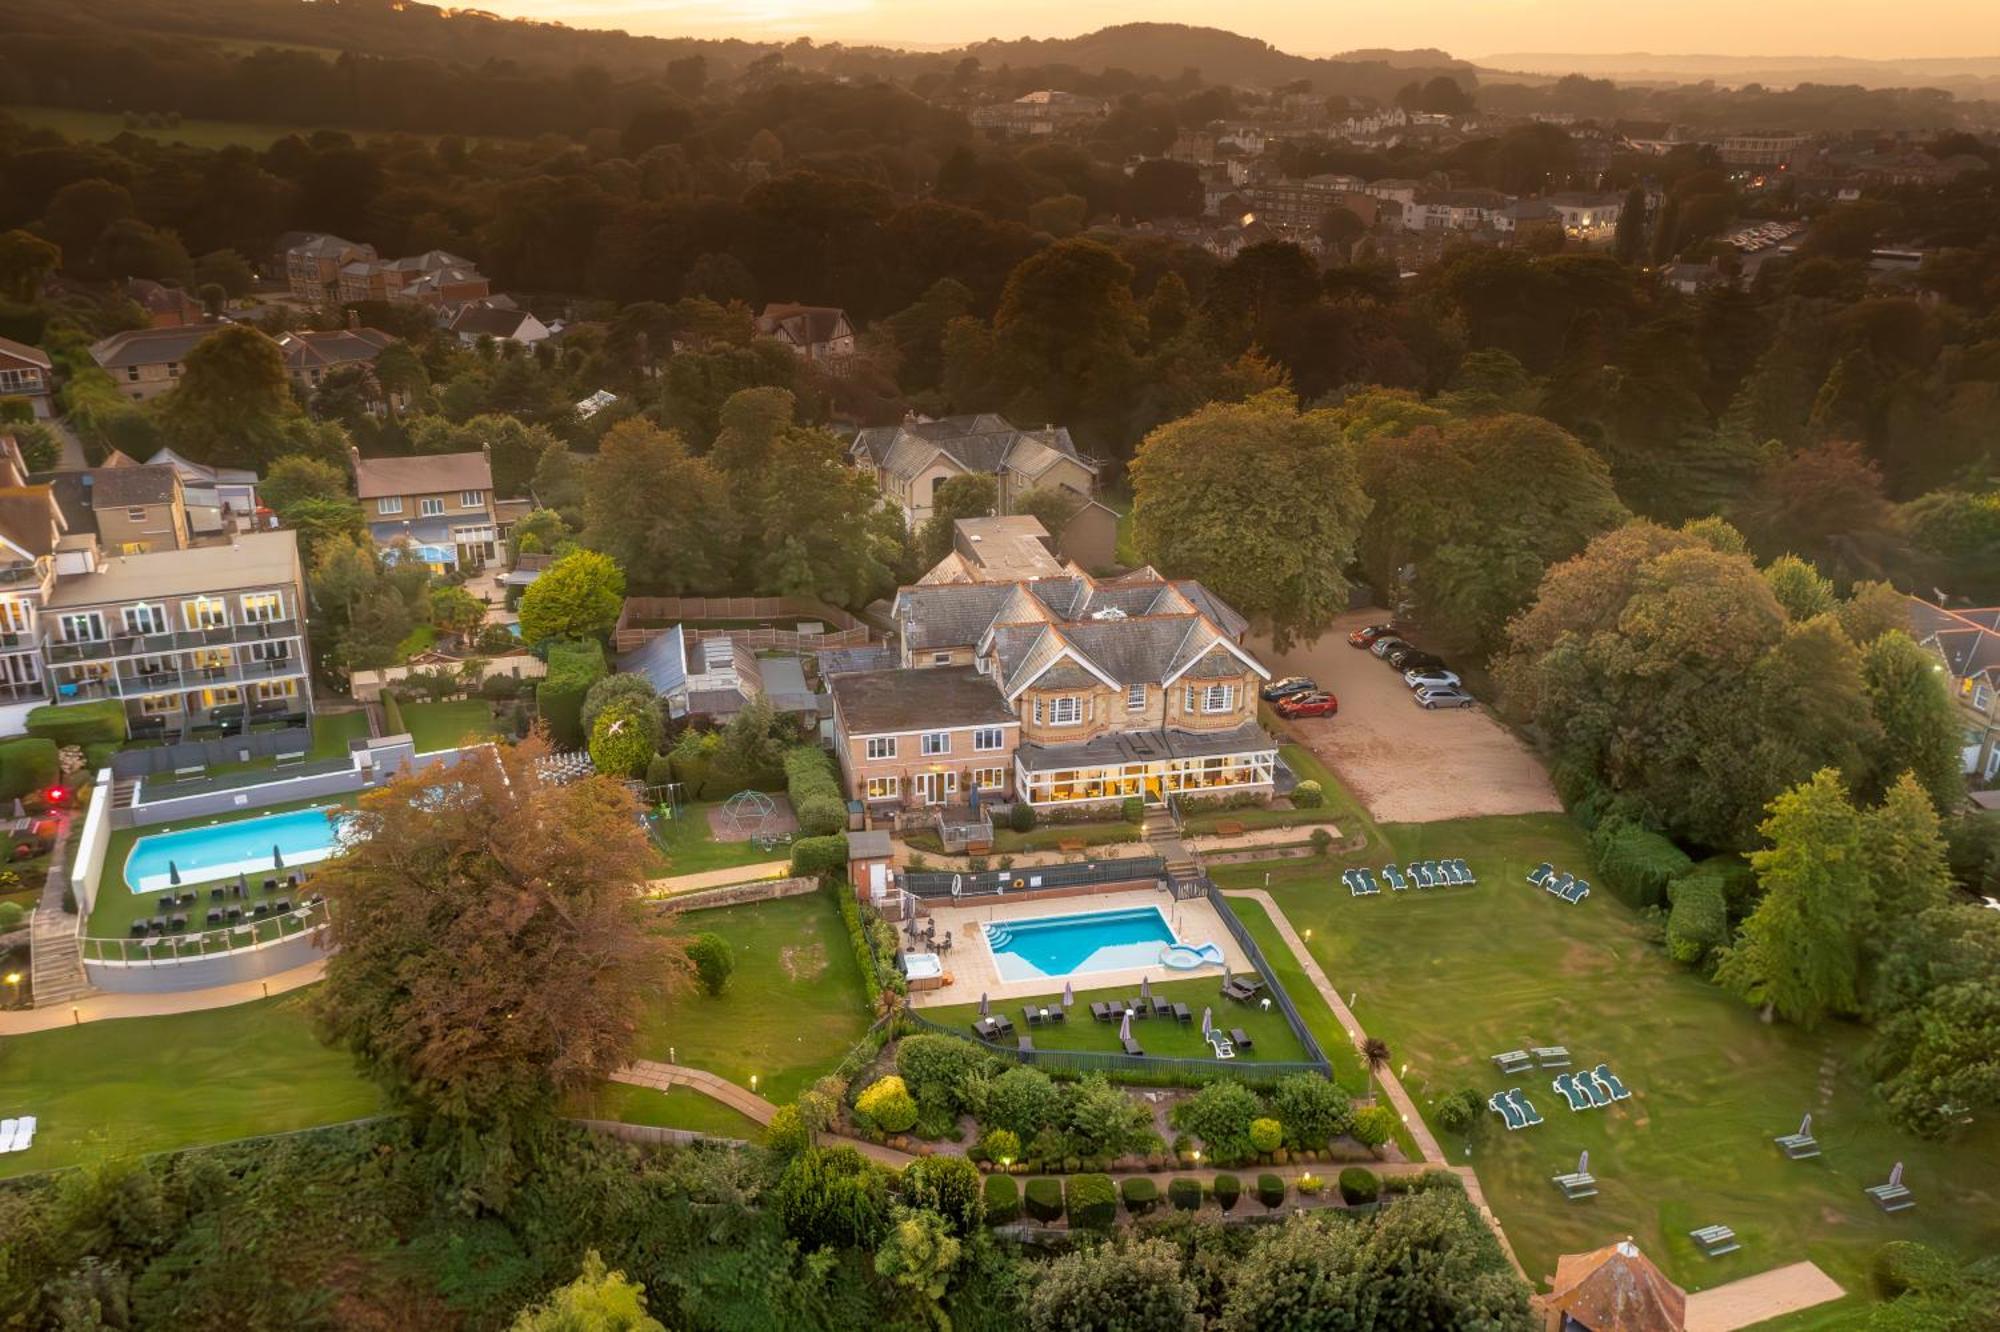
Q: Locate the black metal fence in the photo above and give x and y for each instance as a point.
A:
(934, 884)
(292, 741)
(1241, 934)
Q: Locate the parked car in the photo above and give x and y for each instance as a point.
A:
(1382, 647)
(1415, 660)
(1315, 704)
(1291, 684)
(1363, 637)
(1429, 677)
(1444, 697)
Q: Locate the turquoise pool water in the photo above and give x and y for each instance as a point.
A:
(251, 847)
(1059, 946)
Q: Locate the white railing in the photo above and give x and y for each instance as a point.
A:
(194, 946)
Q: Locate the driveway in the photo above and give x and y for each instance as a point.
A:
(1405, 764)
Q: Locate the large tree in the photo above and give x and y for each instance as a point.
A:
(1259, 501)
(579, 596)
(233, 398)
(1936, 1056)
(1136, 1286)
(657, 510)
(1919, 727)
(488, 951)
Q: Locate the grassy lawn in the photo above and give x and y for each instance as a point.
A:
(686, 846)
(1271, 1038)
(117, 1088)
(681, 1108)
(331, 732)
(437, 726)
(793, 1008)
(1450, 978)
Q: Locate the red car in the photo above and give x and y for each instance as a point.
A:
(1307, 705)
(1362, 638)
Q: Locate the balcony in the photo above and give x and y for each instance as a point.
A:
(23, 691)
(152, 645)
(135, 684)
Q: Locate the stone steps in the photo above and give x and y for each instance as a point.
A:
(57, 957)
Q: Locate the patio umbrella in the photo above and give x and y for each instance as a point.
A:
(1896, 1175)
(1583, 1163)
(1805, 1127)
(1125, 1027)
(173, 874)
(20, 810)
(277, 857)
(1145, 994)
(1207, 1020)
(1069, 994)
(982, 1003)
(242, 884)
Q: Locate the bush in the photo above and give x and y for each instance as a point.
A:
(1220, 1114)
(935, 1121)
(1322, 841)
(499, 688)
(78, 723)
(97, 757)
(1021, 818)
(1698, 923)
(1140, 1195)
(11, 915)
(1044, 1200)
(1308, 794)
(949, 1186)
(937, 1067)
(814, 791)
(659, 770)
(1310, 1184)
(1271, 1191)
(819, 856)
(1184, 1194)
(1266, 1135)
(1228, 1189)
(1134, 809)
(626, 733)
(1637, 862)
(573, 669)
(1313, 1109)
(1902, 1265)
(1003, 1200)
(27, 764)
(831, 1197)
(786, 1135)
(713, 961)
(1373, 1125)
(1358, 1185)
(1092, 1202)
(1460, 1111)
(889, 1104)
(857, 934)
(1001, 1146)
(630, 687)
(1022, 1100)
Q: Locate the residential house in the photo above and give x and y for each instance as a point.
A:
(1967, 642)
(507, 324)
(1038, 114)
(165, 307)
(922, 737)
(817, 333)
(146, 362)
(1588, 217)
(219, 499)
(26, 372)
(1694, 279)
(448, 287)
(313, 266)
(997, 550)
(435, 508)
(1612, 1289)
(130, 509)
(910, 461)
(708, 677)
(373, 279)
(1453, 210)
(31, 526)
(1136, 686)
(1763, 149)
(310, 355)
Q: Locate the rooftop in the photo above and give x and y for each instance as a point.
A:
(1616, 1289)
(428, 474)
(21, 351)
(891, 702)
(256, 559)
(150, 346)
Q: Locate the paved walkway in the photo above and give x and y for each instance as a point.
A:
(721, 878)
(1754, 1299)
(103, 1007)
(659, 1076)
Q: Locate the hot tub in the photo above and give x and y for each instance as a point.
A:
(924, 971)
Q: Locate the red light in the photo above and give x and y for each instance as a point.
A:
(57, 795)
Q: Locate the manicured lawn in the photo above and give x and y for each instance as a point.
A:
(680, 1108)
(116, 1088)
(684, 846)
(333, 730)
(436, 726)
(1450, 977)
(1271, 1038)
(792, 1010)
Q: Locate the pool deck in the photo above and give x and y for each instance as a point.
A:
(970, 963)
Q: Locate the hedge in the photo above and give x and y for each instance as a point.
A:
(1359, 1186)
(1092, 1201)
(819, 855)
(1184, 1194)
(1271, 1191)
(392, 715)
(1228, 1189)
(1044, 1199)
(857, 937)
(1637, 862)
(27, 764)
(814, 791)
(79, 723)
(573, 669)
(1003, 1200)
(1699, 920)
(1140, 1195)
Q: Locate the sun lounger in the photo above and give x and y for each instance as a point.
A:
(1397, 882)
(1220, 1044)
(1132, 1047)
(1368, 885)
(1551, 1056)
(1161, 1008)
(1448, 873)
(1798, 1146)
(1463, 871)
(985, 1028)
(1541, 874)
(1514, 1061)
(1599, 1098)
(7, 1127)
(1438, 877)
(1500, 1104)
(1240, 1038)
(1715, 1240)
(1056, 1014)
(1892, 1197)
(1182, 1013)
(1576, 1185)
(1103, 1012)
(1556, 883)
(1034, 1019)
(1566, 1088)
(1237, 990)
(1352, 879)
(1610, 1083)
(1422, 870)
(1137, 1009)
(1529, 1115)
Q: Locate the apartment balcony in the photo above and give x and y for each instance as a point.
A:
(23, 691)
(136, 684)
(152, 645)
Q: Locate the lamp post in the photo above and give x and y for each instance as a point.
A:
(753, 1083)
(13, 988)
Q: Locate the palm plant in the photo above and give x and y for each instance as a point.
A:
(1375, 1054)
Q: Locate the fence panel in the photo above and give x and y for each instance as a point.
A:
(1239, 932)
(933, 884)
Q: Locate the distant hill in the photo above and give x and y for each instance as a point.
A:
(1969, 76)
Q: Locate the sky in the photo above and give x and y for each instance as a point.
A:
(1466, 28)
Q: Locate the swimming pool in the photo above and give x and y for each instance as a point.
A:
(1046, 946)
(251, 847)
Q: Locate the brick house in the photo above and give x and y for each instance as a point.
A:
(922, 737)
(436, 508)
(313, 266)
(910, 461)
(26, 372)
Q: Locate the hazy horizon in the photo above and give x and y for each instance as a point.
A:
(1811, 29)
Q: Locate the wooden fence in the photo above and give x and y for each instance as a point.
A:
(645, 618)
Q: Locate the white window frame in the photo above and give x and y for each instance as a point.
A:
(135, 513)
(194, 612)
(937, 788)
(1982, 697)
(430, 506)
(1038, 712)
(251, 604)
(91, 622)
(1211, 699)
(153, 612)
(933, 743)
(1066, 710)
(1135, 697)
(471, 499)
(990, 779)
(880, 747)
(884, 788)
(389, 505)
(940, 658)
(989, 738)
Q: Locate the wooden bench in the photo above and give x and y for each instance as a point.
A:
(1892, 1197)
(1715, 1240)
(1069, 845)
(1576, 1185)
(1229, 828)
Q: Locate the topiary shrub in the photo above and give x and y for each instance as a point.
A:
(819, 856)
(1271, 1191)
(1266, 1135)
(1460, 1112)
(1001, 1146)
(1322, 841)
(659, 770)
(1902, 1265)
(1140, 1195)
(92, 723)
(786, 1135)
(1310, 1184)
(1093, 1202)
(1359, 1185)
(713, 960)
(1308, 794)
(1045, 1200)
(11, 915)
(1021, 818)
(1373, 1125)
(1228, 1189)
(1184, 1194)
(573, 669)
(814, 791)
(1698, 922)
(937, 1068)
(889, 1104)
(1003, 1200)
(392, 714)
(1134, 809)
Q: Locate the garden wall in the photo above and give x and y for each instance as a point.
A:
(662, 611)
(737, 894)
(165, 976)
(370, 765)
(130, 763)
(654, 1135)
(87, 857)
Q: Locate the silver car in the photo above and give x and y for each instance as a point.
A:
(1444, 697)
(1421, 679)
(1384, 645)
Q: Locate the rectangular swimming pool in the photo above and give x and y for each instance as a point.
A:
(1073, 945)
(251, 847)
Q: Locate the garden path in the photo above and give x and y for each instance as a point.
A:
(102, 1007)
(718, 878)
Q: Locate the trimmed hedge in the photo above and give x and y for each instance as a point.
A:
(1044, 1199)
(1140, 1195)
(1092, 1201)
(392, 714)
(857, 936)
(1228, 1190)
(1699, 921)
(1271, 1191)
(79, 723)
(819, 855)
(1637, 862)
(1358, 1185)
(814, 791)
(573, 669)
(27, 764)
(1184, 1194)
(1003, 1200)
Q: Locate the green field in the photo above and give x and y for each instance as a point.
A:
(436, 726)
(792, 1010)
(684, 845)
(1450, 977)
(135, 1085)
(331, 732)
(1161, 1037)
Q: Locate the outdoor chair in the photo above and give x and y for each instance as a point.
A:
(1397, 883)
(1137, 1009)
(215, 894)
(1102, 1012)
(1132, 1046)
(291, 881)
(1026, 1043)
(215, 915)
(1541, 874)
(1034, 1018)
(1161, 1008)
(1610, 1083)
(235, 914)
(1529, 1115)
(1502, 1105)
(1182, 1013)
(168, 901)
(158, 924)
(1240, 1038)
(139, 929)
(284, 904)
(180, 921)
(1598, 1099)
(984, 1028)
(1466, 871)
(1565, 1086)
(1055, 1014)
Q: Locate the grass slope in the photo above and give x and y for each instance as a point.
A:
(436, 726)
(1164, 1037)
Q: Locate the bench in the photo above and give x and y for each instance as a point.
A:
(1069, 845)
(1892, 1197)
(1715, 1240)
(1576, 1185)
(1229, 828)
(1798, 1146)
(1551, 1056)
(1514, 1061)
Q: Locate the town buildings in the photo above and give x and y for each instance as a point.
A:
(146, 362)
(312, 355)
(1038, 114)
(502, 323)
(436, 508)
(910, 461)
(26, 372)
(817, 333)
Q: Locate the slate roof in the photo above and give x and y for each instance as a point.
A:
(802, 324)
(149, 346)
(885, 702)
(985, 443)
(21, 351)
(1143, 746)
(425, 474)
(343, 346)
(28, 519)
(950, 614)
(489, 321)
(148, 483)
(1969, 639)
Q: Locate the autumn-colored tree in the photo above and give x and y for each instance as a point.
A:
(488, 952)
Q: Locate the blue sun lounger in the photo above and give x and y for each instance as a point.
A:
(1450, 872)
(1465, 874)
(1395, 877)
(1368, 884)
(1529, 1115)
(1502, 1105)
(1576, 892)
(1566, 1088)
(1599, 1098)
(1421, 872)
(1608, 1081)
(1541, 874)
(1560, 884)
(1353, 882)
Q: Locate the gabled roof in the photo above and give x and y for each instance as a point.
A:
(320, 245)
(427, 474)
(312, 349)
(1968, 639)
(21, 351)
(662, 659)
(197, 473)
(1616, 1289)
(986, 443)
(29, 520)
(150, 346)
(489, 321)
(802, 325)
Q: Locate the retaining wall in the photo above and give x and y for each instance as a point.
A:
(201, 973)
